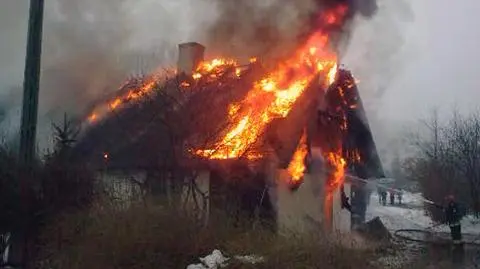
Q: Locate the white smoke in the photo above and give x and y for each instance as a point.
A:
(376, 55)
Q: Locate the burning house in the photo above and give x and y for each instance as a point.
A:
(263, 141)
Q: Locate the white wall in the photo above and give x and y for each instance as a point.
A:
(304, 209)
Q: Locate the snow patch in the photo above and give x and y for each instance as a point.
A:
(217, 260)
(251, 259)
(412, 215)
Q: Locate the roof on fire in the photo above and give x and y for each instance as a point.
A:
(140, 135)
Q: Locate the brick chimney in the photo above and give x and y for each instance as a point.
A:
(189, 56)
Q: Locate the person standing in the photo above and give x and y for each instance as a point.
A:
(384, 197)
(453, 216)
(345, 200)
(392, 197)
(400, 196)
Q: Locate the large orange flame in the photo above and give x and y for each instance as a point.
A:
(337, 176)
(338, 163)
(207, 69)
(296, 168)
(273, 97)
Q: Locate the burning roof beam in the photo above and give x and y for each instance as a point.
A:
(284, 134)
(358, 137)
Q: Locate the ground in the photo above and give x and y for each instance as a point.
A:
(411, 215)
(406, 254)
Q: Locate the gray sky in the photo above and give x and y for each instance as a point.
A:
(440, 61)
(417, 53)
(422, 54)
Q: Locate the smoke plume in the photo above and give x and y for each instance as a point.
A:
(90, 46)
(376, 54)
(274, 27)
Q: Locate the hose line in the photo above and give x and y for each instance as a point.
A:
(432, 238)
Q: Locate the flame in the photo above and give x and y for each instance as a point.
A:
(233, 109)
(92, 117)
(332, 74)
(115, 103)
(145, 88)
(335, 16)
(272, 97)
(217, 65)
(205, 69)
(338, 164)
(297, 168)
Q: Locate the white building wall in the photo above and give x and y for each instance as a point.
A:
(306, 209)
(300, 210)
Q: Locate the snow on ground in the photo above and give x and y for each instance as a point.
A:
(412, 216)
(211, 261)
(412, 199)
(217, 260)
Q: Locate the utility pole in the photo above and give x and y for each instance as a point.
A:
(31, 83)
(18, 248)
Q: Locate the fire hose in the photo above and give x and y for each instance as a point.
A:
(433, 238)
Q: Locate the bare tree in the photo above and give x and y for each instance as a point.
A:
(447, 160)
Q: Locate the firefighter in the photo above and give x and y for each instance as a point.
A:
(345, 201)
(392, 197)
(453, 216)
(384, 197)
(400, 196)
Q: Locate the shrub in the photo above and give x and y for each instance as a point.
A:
(147, 236)
(9, 190)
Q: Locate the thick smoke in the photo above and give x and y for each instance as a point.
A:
(377, 54)
(274, 27)
(91, 46)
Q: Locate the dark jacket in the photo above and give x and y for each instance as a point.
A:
(453, 214)
(345, 200)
